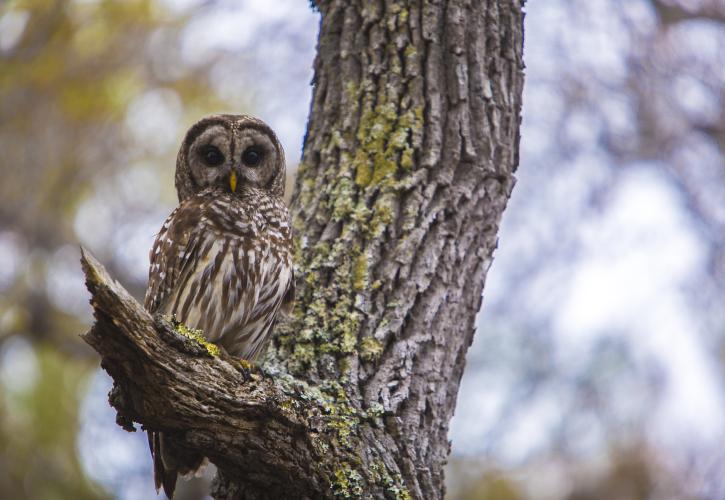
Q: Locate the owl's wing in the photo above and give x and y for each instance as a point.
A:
(288, 301)
(172, 254)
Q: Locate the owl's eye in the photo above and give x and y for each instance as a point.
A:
(252, 156)
(211, 156)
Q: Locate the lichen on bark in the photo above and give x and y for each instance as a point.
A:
(194, 334)
(407, 166)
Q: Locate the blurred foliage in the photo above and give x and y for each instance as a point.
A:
(38, 431)
(71, 73)
(630, 472)
(477, 479)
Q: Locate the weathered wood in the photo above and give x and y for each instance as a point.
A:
(165, 381)
(407, 167)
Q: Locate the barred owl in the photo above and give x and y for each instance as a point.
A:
(222, 261)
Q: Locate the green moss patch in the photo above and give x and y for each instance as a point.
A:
(193, 334)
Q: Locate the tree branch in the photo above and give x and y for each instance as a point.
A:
(266, 429)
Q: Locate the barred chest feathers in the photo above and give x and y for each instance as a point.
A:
(222, 263)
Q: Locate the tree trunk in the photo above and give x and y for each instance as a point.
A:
(408, 164)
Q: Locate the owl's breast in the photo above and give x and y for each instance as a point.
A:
(265, 277)
(224, 266)
(236, 287)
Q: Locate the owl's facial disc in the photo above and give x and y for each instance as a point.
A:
(258, 157)
(230, 152)
(210, 158)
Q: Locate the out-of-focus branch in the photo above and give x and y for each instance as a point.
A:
(673, 13)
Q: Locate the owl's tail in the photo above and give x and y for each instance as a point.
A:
(170, 461)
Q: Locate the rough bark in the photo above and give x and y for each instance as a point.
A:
(407, 167)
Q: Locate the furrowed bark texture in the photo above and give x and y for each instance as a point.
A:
(407, 167)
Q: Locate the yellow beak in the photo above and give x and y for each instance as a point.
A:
(233, 182)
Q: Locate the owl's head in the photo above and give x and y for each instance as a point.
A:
(230, 152)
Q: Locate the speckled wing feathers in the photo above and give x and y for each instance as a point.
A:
(172, 253)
